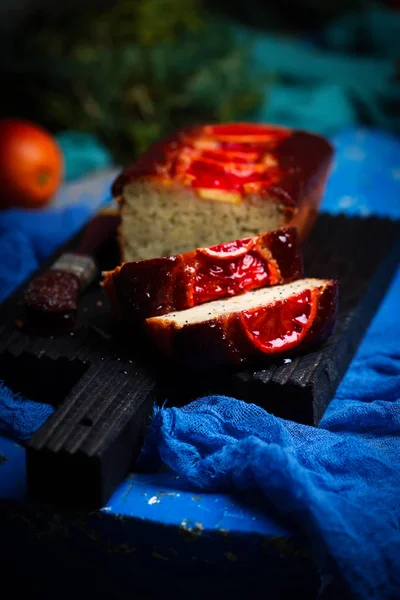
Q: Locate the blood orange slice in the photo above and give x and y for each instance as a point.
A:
(283, 324)
(229, 250)
(202, 165)
(245, 132)
(220, 277)
(226, 156)
(219, 195)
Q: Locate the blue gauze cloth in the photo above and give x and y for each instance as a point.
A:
(325, 83)
(338, 483)
(83, 153)
(27, 237)
(20, 417)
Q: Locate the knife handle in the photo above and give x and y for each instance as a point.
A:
(57, 290)
(83, 266)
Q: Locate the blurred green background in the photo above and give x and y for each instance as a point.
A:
(128, 71)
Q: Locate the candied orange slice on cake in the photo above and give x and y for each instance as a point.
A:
(283, 324)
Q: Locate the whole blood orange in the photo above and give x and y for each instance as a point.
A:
(31, 164)
(282, 324)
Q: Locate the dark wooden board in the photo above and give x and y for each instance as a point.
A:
(104, 386)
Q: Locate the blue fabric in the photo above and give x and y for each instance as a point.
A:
(326, 83)
(27, 237)
(83, 153)
(20, 417)
(18, 260)
(374, 29)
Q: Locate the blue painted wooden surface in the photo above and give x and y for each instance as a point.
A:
(153, 535)
(158, 498)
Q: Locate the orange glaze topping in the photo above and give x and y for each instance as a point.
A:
(238, 158)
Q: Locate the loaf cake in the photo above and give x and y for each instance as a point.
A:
(252, 326)
(205, 185)
(153, 287)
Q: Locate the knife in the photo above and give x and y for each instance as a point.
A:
(56, 292)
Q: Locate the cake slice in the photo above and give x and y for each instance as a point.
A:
(142, 289)
(250, 327)
(210, 184)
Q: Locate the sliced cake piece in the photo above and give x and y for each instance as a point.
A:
(249, 327)
(213, 183)
(154, 287)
